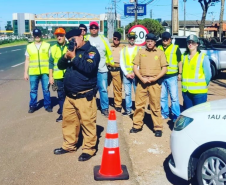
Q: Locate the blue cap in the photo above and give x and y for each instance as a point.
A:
(151, 36)
(72, 33)
(166, 35)
(37, 32)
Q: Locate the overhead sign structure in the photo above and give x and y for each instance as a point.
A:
(141, 32)
(129, 9)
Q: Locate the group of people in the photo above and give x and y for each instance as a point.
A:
(77, 74)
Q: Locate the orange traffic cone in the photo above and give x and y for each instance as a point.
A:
(111, 168)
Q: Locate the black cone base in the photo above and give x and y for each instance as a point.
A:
(99, 177)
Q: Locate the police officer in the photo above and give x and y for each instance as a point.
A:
(103, 46)
(127, 56)
(80, 104)
(152, 66)
(170, 83)
(36, 69)
(114, 73)
(196, 74)
(56, 75)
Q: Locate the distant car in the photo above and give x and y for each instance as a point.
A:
(30, 40)
(198, 144)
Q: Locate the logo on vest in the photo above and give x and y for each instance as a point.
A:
(91, 55)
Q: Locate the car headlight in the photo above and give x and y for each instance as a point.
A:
(182, 122)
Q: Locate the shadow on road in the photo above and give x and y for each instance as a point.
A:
(54, 102)
(100, 129)
(173, 179)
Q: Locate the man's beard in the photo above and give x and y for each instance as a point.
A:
(132, 43)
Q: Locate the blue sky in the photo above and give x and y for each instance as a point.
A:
(160, 8)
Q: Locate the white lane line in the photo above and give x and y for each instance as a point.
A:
(15, 49)
(18, 64)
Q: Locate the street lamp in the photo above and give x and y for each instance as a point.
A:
(185, 17)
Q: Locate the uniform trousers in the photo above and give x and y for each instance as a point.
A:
(153, 92)
(79, 113)
(116, 78)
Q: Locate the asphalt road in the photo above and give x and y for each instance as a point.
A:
(27, 140)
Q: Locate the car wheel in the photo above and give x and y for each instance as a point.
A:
(213, 71)
(211, 168)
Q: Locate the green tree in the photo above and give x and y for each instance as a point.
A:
(205, 4)
(152, 25)
(120, 30)
(9, 27)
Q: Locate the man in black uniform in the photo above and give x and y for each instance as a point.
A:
(80, 104)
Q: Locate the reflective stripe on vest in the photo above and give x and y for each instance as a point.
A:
(193, 77)
(109, 58)
(127, 59)
(56, 53)
(38, 59)
(171, 58)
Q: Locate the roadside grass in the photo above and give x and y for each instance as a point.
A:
(18, 43)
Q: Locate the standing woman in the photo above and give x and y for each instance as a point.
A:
(196, 74)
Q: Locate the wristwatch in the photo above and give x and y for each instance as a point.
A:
(179, 73)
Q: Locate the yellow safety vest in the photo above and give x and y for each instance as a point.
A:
(193, 77)
(56, 53)
(38, 59)
(171, 58)
(127, 59)
(109, 58)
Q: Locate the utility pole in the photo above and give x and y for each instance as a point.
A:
(185, 17)
(115, 22)
(110, 20)
(174, 23)
(135, 7)
(151, 13)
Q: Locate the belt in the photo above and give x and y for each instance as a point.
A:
(88, 95)
(110, 68)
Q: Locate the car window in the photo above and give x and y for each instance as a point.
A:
(181, 42)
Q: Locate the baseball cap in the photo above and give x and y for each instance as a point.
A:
(166, 35)
(117, 35)
(72, 33)
(94, 23)
(151, 36)
(83, 26)
(192, 38)
(37, 32)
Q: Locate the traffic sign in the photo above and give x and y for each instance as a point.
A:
(129, 9)
(141, 32)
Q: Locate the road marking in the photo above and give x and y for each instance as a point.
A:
(18, 64)
(15, 49)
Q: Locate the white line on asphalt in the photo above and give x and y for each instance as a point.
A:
(18, 64)
(15, 49)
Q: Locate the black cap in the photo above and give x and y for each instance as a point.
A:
(132, 34)
(83, 26)
(151, 36)
(37, 32)
(117, 34)
(72, 33)
(166, 35)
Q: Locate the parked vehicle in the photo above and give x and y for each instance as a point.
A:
(217, 56)
(198, 144)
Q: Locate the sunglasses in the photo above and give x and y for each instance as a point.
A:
(94, 28)
(37, 35)
(58, 35)
(191, 42)
(82, 29)
(130, 38)
(116, 39)
(165, 39)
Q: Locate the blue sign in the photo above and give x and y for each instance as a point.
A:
(129, 9)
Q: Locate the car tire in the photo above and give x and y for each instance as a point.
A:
(212, 167)
(213, 71)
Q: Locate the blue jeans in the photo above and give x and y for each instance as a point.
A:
(34, 81)
(128, 91)
(170, 85)
(102, 84)
(191, 100)
(60, 93)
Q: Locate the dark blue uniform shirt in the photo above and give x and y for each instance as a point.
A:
(81, 72)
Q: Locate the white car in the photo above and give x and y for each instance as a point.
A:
(198, 144)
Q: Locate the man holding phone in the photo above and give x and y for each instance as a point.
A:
(80, 84)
